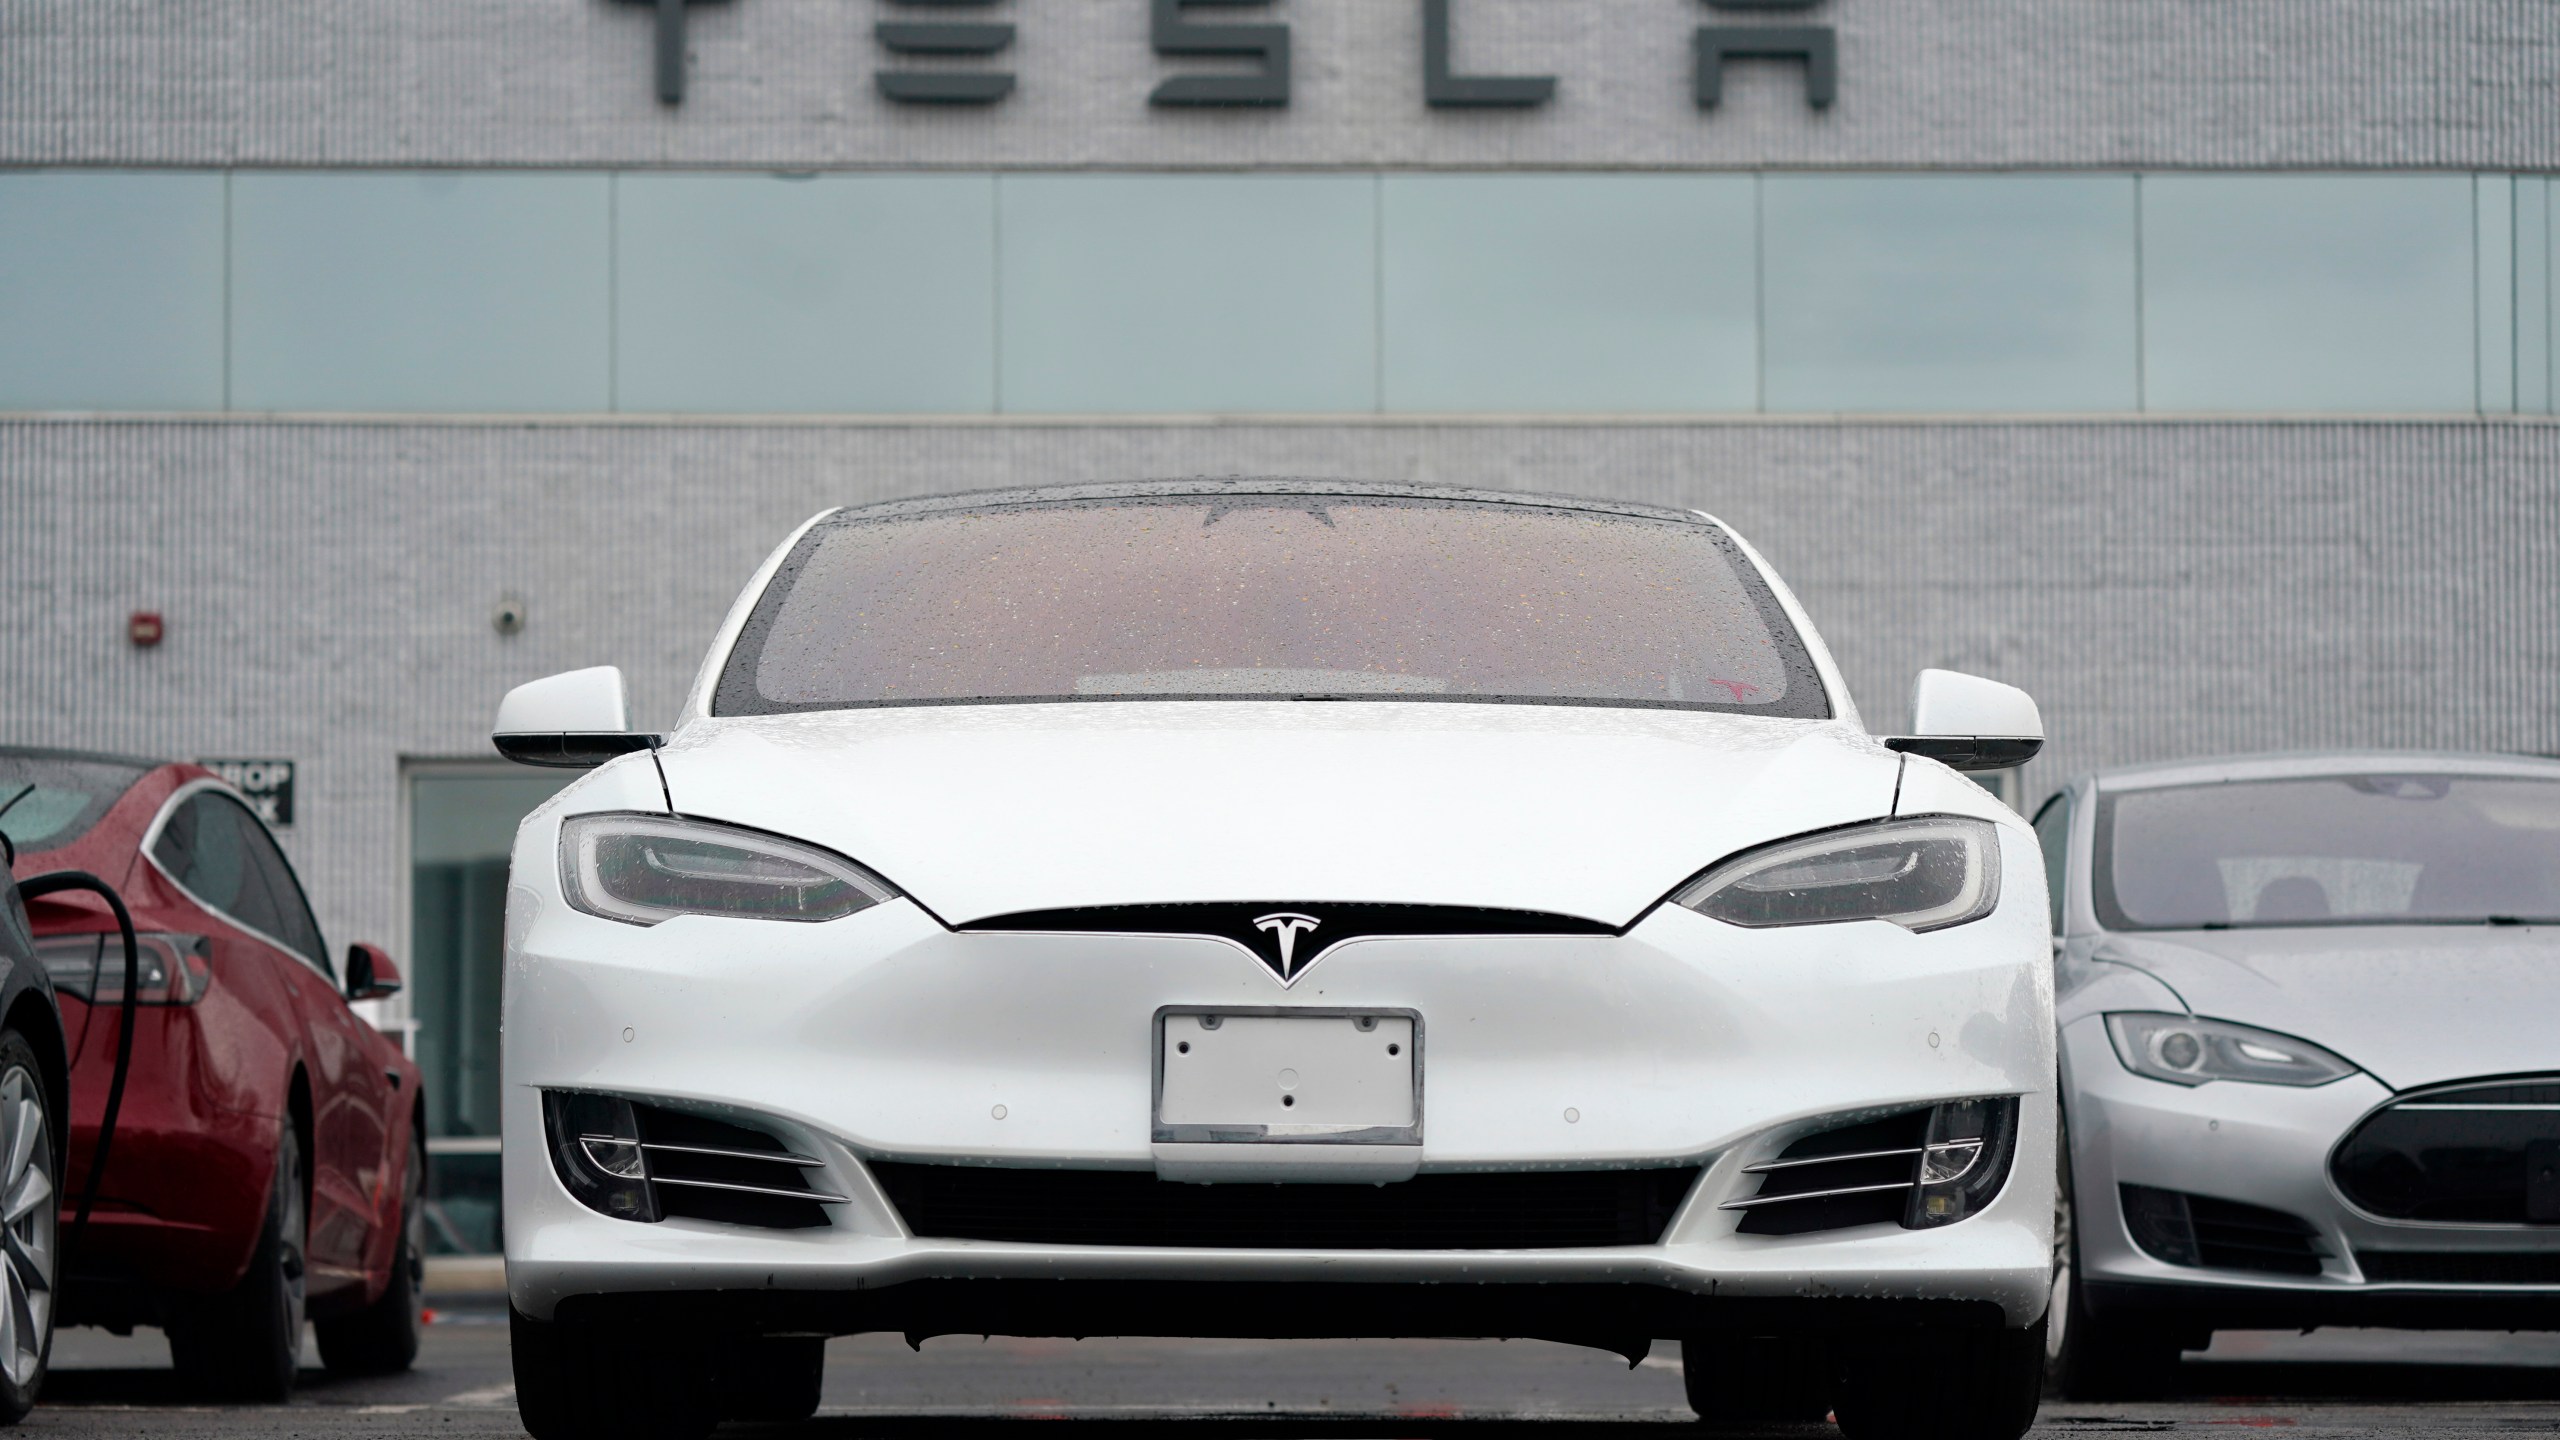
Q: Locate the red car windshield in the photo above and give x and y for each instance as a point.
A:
(1285, 596)
(48, 800)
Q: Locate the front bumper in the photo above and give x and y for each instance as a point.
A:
(885, 1036)
(2266, 1146)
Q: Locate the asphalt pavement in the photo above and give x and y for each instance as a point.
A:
(2334, 1383)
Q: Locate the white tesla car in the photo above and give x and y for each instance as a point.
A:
(1276, 909)
(2310, 1011)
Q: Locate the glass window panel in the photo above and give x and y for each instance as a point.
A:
(2533, 295)
(1950, 292)
(482, 292)
(2308, 292)
(289, 911)
(761, 294)
(2493, 231)
(111, 297)
(461, 827)
(1530, 293)
(1189, 293)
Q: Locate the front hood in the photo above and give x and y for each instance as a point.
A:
(2413, 1005)
(979, 811)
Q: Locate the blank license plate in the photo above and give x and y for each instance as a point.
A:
(1341, 1076)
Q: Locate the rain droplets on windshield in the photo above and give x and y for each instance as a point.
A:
(1277, 596)
(2335, 850)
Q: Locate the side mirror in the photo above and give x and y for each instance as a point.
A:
(1971, 723)
(370, 973)
(574, 721)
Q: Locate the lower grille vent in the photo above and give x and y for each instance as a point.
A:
(2220, 1234)
(2460, 1267)
(708, 1170)
(1855, 1175)
(1551, 1210)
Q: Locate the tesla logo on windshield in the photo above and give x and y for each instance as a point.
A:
(1286, 928)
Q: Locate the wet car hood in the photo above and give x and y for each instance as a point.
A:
(978, 811)
(2413, 1005)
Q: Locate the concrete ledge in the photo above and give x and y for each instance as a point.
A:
(466, 1277)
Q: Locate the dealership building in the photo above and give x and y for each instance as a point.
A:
(2190, 363)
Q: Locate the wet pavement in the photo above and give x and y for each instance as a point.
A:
(2335, 1383)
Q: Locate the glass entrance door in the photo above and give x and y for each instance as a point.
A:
(462, 823)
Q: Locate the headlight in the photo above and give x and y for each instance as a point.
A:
(641, 869)
(2184, 1050)
(1922, 874)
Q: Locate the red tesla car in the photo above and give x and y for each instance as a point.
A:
(270, 1155)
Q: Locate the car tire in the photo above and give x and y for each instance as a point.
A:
(773, 1378)
(1747, 1381)
(582, 1379)
(30, 1202)
(246, 1343)
(2088, 1356)
(1942, 1385)
(382, 1338)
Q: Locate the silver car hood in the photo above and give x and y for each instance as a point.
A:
(2413, 1005)
(978, 811)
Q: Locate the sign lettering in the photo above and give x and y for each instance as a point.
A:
(1176, 35)
(947, 37)
(1815, 45)
(1442, 87)
(671, 45)
(266, 784)
(1176, 31)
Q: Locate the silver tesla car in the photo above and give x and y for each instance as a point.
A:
(2310, 1022)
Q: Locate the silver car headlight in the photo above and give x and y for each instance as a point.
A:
(2184, 1050)
(643, 869)
(1924, 874)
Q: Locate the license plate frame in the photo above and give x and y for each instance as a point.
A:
(1253, 1133)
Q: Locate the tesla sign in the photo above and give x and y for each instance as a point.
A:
(969, 49)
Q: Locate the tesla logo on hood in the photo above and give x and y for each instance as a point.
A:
(1286, 928)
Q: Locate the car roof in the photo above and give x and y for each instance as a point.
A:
(2296, 764)
(1253, 485)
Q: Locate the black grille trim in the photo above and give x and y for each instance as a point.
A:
(2460, 1267)
(2481, 1152)
(1336, 925)
(1859, 1174)
(705, 1169)
(1537, 1210)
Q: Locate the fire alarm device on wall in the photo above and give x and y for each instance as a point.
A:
(144, 628)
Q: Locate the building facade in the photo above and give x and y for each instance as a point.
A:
(2190, 363)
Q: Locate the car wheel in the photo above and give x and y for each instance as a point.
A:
(2088, 1357)
(30, 1202)
(1943, 1385)
(382, 1338)
(246, 1343)
(1752, 1380)
(775, 1378)
(582, 1379)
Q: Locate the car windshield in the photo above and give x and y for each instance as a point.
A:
(2407, 849)
(1238, 597)
(48, 801)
